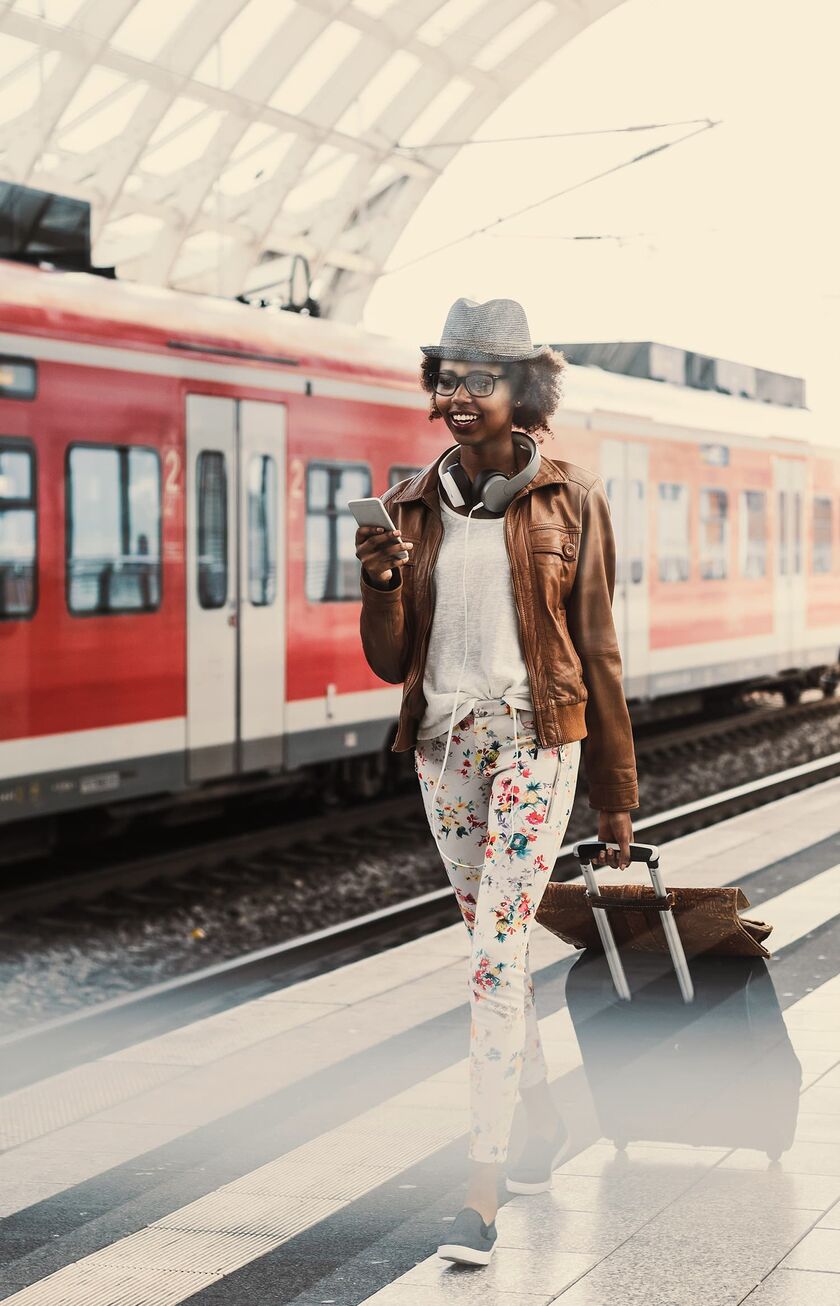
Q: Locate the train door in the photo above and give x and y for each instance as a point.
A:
(236, 605)
(789, 578)
(624, 467)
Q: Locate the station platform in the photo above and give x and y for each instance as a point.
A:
(309, 1146)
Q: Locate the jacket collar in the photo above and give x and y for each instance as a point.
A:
(424, 484)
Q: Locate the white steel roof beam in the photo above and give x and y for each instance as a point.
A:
(264, 211)
(346, 237)
(31, 134)
(260, 80)
(404, 110)
(346, 298)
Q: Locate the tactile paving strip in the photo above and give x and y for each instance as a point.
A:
(73, 1095)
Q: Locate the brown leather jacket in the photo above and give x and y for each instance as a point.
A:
(561, 547)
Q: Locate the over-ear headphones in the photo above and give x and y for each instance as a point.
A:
(491, 489)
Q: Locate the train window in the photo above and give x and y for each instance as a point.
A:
(401, 473)
(789, 519)
(18, 571)
(822, 561)
(752, 537)
(212, 521)
(332, 568)
(672, 530)
(18, 378)
(714, 534)
(113, 529)
(636, 531)
(262, 530)
(614, 486)
(627, 508)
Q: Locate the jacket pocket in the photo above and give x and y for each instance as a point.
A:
(554, 550)
(550, 538)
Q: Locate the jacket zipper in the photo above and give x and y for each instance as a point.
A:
(416, 672)
(519, 604)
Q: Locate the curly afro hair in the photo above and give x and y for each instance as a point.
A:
(536, 382)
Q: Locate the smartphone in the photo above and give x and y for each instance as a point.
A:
(372, 512)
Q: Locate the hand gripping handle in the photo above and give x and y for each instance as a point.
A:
(587, 849)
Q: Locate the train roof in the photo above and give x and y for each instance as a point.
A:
(138, 316)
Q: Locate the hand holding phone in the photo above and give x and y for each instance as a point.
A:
(379, 545)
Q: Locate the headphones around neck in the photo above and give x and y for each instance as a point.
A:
(491, 489)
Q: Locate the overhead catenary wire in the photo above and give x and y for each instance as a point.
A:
(596, 235)
(707, 123)
(553, 136)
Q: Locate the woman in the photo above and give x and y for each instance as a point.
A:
(529, 597)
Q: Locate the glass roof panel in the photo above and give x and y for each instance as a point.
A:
(373, 8)
(206, 250)
(57, 12)
(512, 36)
(23, 87)
(256, 135)
(258, 165)
(14, 53)
(125, 237)
(384, 175)
(148, 27)
(105, 122)
(322, 157)
(179, 113)
(97, 86)
(448, 19)
(320, 183)
(320, 61)
(378, 93)
(185, 147)
(453, 95)
(242, 40)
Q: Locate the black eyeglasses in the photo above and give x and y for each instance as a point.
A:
(479, 384)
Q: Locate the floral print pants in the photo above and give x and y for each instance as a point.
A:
(503, 811)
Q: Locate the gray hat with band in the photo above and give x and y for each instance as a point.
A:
(495, 331)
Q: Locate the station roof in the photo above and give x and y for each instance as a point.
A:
(215, 139)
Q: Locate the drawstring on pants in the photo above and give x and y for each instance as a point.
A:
(518, 760)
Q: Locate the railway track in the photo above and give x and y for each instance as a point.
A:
(246, 858)
(94, 1031)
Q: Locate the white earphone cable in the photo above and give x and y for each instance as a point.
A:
(454, 862)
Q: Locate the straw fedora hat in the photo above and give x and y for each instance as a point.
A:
(495, 331)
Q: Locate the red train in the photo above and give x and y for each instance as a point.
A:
(178, 583)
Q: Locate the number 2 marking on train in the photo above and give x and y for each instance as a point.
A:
(173, 470)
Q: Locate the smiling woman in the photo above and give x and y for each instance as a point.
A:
(531, 603)
(536, 386)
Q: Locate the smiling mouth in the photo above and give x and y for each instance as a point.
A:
(463, 421)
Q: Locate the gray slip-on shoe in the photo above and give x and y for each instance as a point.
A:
(470, 1240)
(531, 1172)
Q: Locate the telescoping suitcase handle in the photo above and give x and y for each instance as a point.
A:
(586, 850)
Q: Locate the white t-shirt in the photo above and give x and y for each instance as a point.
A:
(495, 666)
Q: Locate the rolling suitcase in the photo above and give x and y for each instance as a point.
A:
(586, 850)
(719, 1072)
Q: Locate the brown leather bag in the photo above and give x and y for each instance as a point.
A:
(707, 919)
